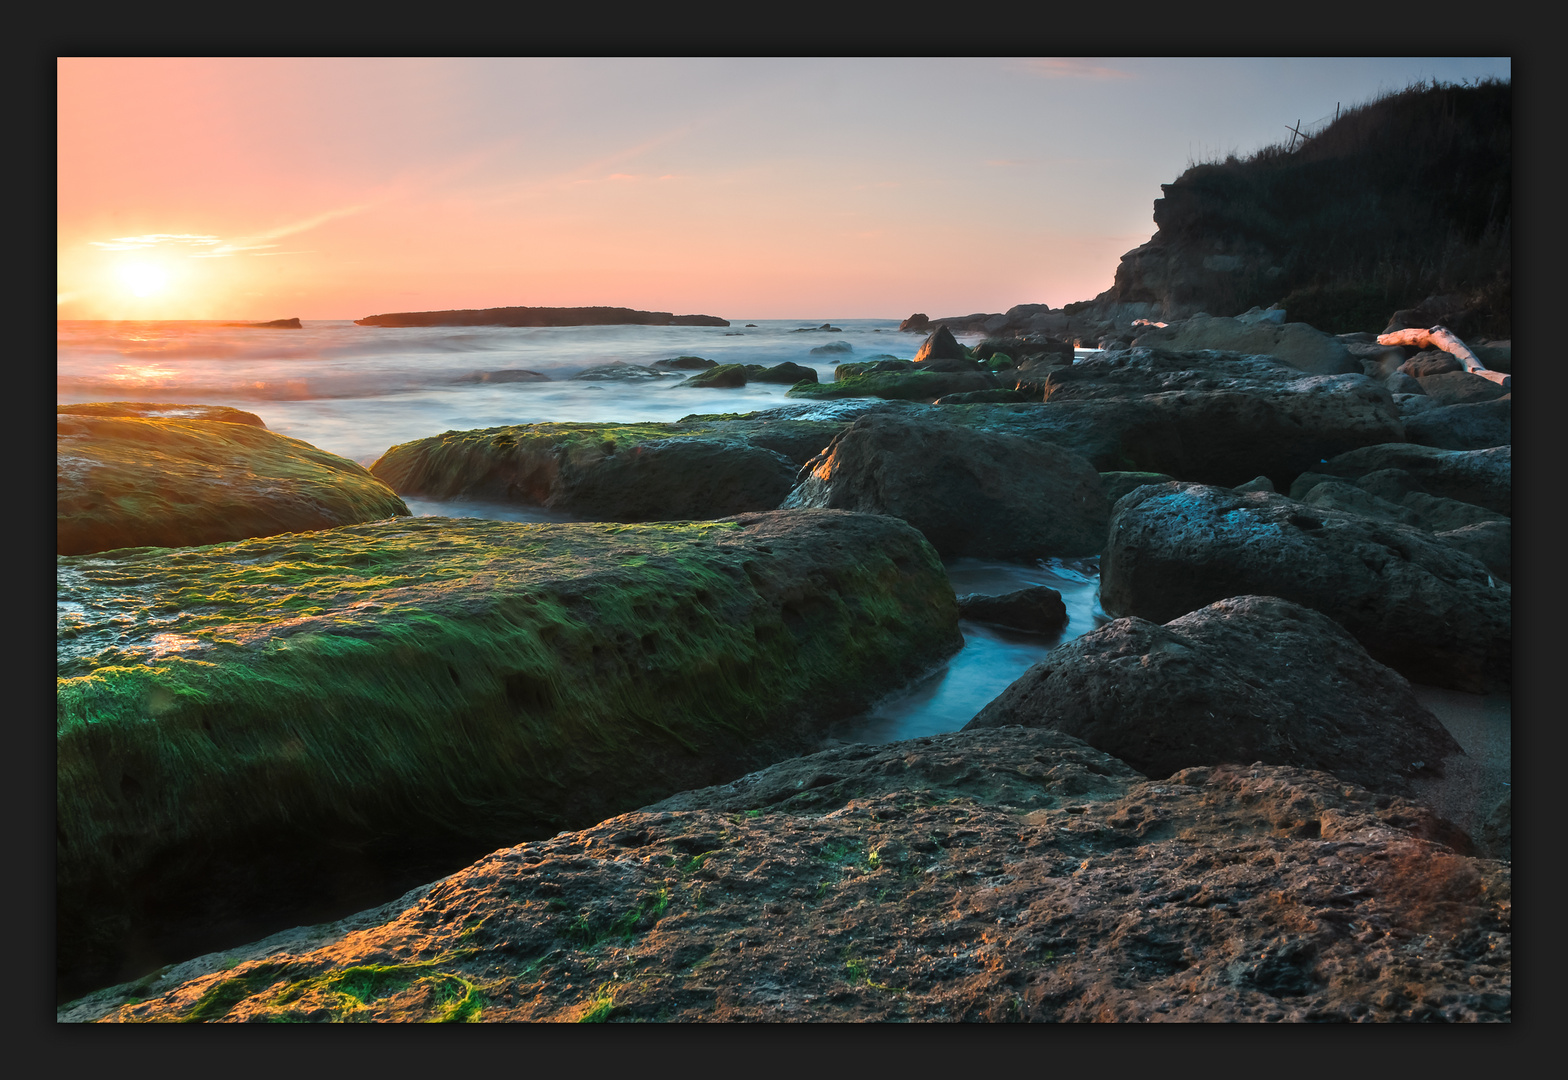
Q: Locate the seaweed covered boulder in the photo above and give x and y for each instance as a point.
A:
(897, 380)
(259, 730)
(695, 469)
(163, 410)
(969, 492)
(998, 875)
(1250, 678)
(124, 479)
(1424, 608)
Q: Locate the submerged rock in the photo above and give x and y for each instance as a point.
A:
(1008, 874)
(256, 730)
(156, 480)
(1424, 608)
(895, 380)
(1035, 610)
(1250, 678)
(969, 492)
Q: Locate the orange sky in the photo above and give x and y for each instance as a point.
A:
(262, 188)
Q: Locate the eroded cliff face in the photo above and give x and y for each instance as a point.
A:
(1404, 202)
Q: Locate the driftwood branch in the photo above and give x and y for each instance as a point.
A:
(1440, 337)
(1443, 337)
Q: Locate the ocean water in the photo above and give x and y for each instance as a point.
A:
(358, 390)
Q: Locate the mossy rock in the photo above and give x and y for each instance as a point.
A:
(896, 385)
(723, 376)
(163, 410)
(690, 470)
(243, 728)
(130, 481)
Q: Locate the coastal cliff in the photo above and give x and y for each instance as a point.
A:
(1398, 211)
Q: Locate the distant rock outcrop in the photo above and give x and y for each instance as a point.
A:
(540, 316)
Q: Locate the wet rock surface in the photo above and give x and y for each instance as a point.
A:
(253, 729)
(1424, 608)
(1036, 610)
(1250, 678)
(699, 468)
(969, 492)
(140, 475)
(1009, 874)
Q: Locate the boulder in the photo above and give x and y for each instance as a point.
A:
(611, 472)
(1218, 418)
(917, 323)
(1118, 483)
(132, 481)
(1489, 541)
(1460, 388)
(897, 382)
(620, 371)
(969, 492)
(1476, 425)
(1427, 610)
(509, 375)
(975, 397)
(1036, 610)
(1301, 346)
(941, 345)
(787, 373)
(148, 410)
(833, 348)
(1480, 477)
(310, 719)
(995, 875)
(721, 376)
(686, 363)
(1246, 679)
(1431, 362)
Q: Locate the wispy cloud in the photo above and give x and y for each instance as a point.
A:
(1073, 67)
(149, 240)
(207, 246)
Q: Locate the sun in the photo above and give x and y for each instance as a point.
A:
(144, 278)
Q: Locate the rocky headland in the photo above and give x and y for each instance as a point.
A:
(588, 771)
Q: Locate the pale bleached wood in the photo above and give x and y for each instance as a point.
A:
(1440, 337)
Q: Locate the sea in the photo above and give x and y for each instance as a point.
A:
(358, 390)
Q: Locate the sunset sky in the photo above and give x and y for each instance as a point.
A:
(258, 188)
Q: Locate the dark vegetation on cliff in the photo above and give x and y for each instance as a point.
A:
(1401, 199)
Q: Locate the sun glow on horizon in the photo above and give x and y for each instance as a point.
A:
(143, 278)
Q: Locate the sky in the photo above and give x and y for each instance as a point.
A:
(322, 188)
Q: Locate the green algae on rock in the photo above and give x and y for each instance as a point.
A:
(899, 385)
(237, 722)
(689, 470)
(131, 481)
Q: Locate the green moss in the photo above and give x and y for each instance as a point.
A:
(459, 678)
(892, 385)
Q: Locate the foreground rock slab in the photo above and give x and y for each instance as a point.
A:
(1426, 609)
(126, 480)
(1003, 875)
(245, 728)
(1251, 678)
